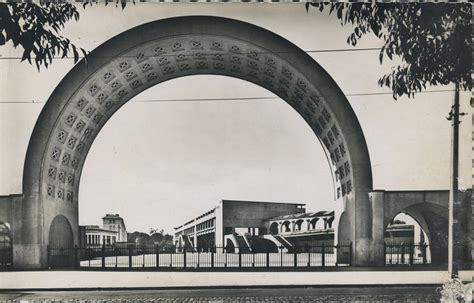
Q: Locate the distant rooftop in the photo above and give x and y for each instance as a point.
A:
(264, 202)
(97, 228)
(305, 215)
(112, 216)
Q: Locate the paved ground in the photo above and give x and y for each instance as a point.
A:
(325, 294)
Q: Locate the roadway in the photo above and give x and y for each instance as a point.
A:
(294, 294)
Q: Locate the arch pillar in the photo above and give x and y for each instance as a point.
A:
(308, 224)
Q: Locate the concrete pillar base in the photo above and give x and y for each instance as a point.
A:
(29, 256)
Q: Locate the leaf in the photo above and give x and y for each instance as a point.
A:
(76, 54)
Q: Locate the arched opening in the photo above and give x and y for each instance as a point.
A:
(167, 49)
(298, 225)
(230, 247)
(406, 241)
(312, 223)
(319, 224)
(286, 227)
(274, 228)
(60, 233)
(61, 252)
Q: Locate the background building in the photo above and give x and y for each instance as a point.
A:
(255, 226)
(116, 223)
(96, 236)
(113, 230)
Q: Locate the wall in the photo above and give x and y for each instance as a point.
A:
(254, 214)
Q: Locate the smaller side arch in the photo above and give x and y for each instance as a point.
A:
(61, 242)
(60, 233)
(274, 228)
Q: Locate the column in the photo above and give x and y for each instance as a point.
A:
(377, 257)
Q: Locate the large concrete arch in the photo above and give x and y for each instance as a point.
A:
(166, 49)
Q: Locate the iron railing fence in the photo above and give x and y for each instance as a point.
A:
(214, 258)
(6, 254)
(407, 254)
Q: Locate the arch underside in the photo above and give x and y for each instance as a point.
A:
(167, 49)
(122, 78)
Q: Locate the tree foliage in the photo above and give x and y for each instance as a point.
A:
(433, 40)
(36, 28)
(154, 237)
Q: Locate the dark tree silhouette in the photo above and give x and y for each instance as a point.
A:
(36, 29)
(432, 39)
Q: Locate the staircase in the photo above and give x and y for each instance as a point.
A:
(280, 242)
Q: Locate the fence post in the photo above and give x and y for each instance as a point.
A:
(130, 252)
(412, 251)
(103, 254)
(76, 259)
(268, 259)
(184, 256)
(295, 258)
(350, 254)
(323, 255)
(157, 255)
(403, 253)
(281, 256)
(48, 257)
(309, 257)
(212, 257)
(424, 253)
(336, 250)
(143, 254)
(240, 258)
(384, 253)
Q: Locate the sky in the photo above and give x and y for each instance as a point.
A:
(160, 164)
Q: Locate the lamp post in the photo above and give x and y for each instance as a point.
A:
(453, 224)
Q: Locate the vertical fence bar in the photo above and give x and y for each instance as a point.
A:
(309, 257)
(350, 254)
(76, 257)
(384, 253)
(130, 252)
(48, 257)
(157, 256)
(184, 257)
(423, 252)
(412, 251)
(212, 257)
(323, 255)
(295, 258)
(403, 253)
(225, 257)
(240, 258)
(268, 259)
(103, 254)
(281, 256)
(116, 250)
